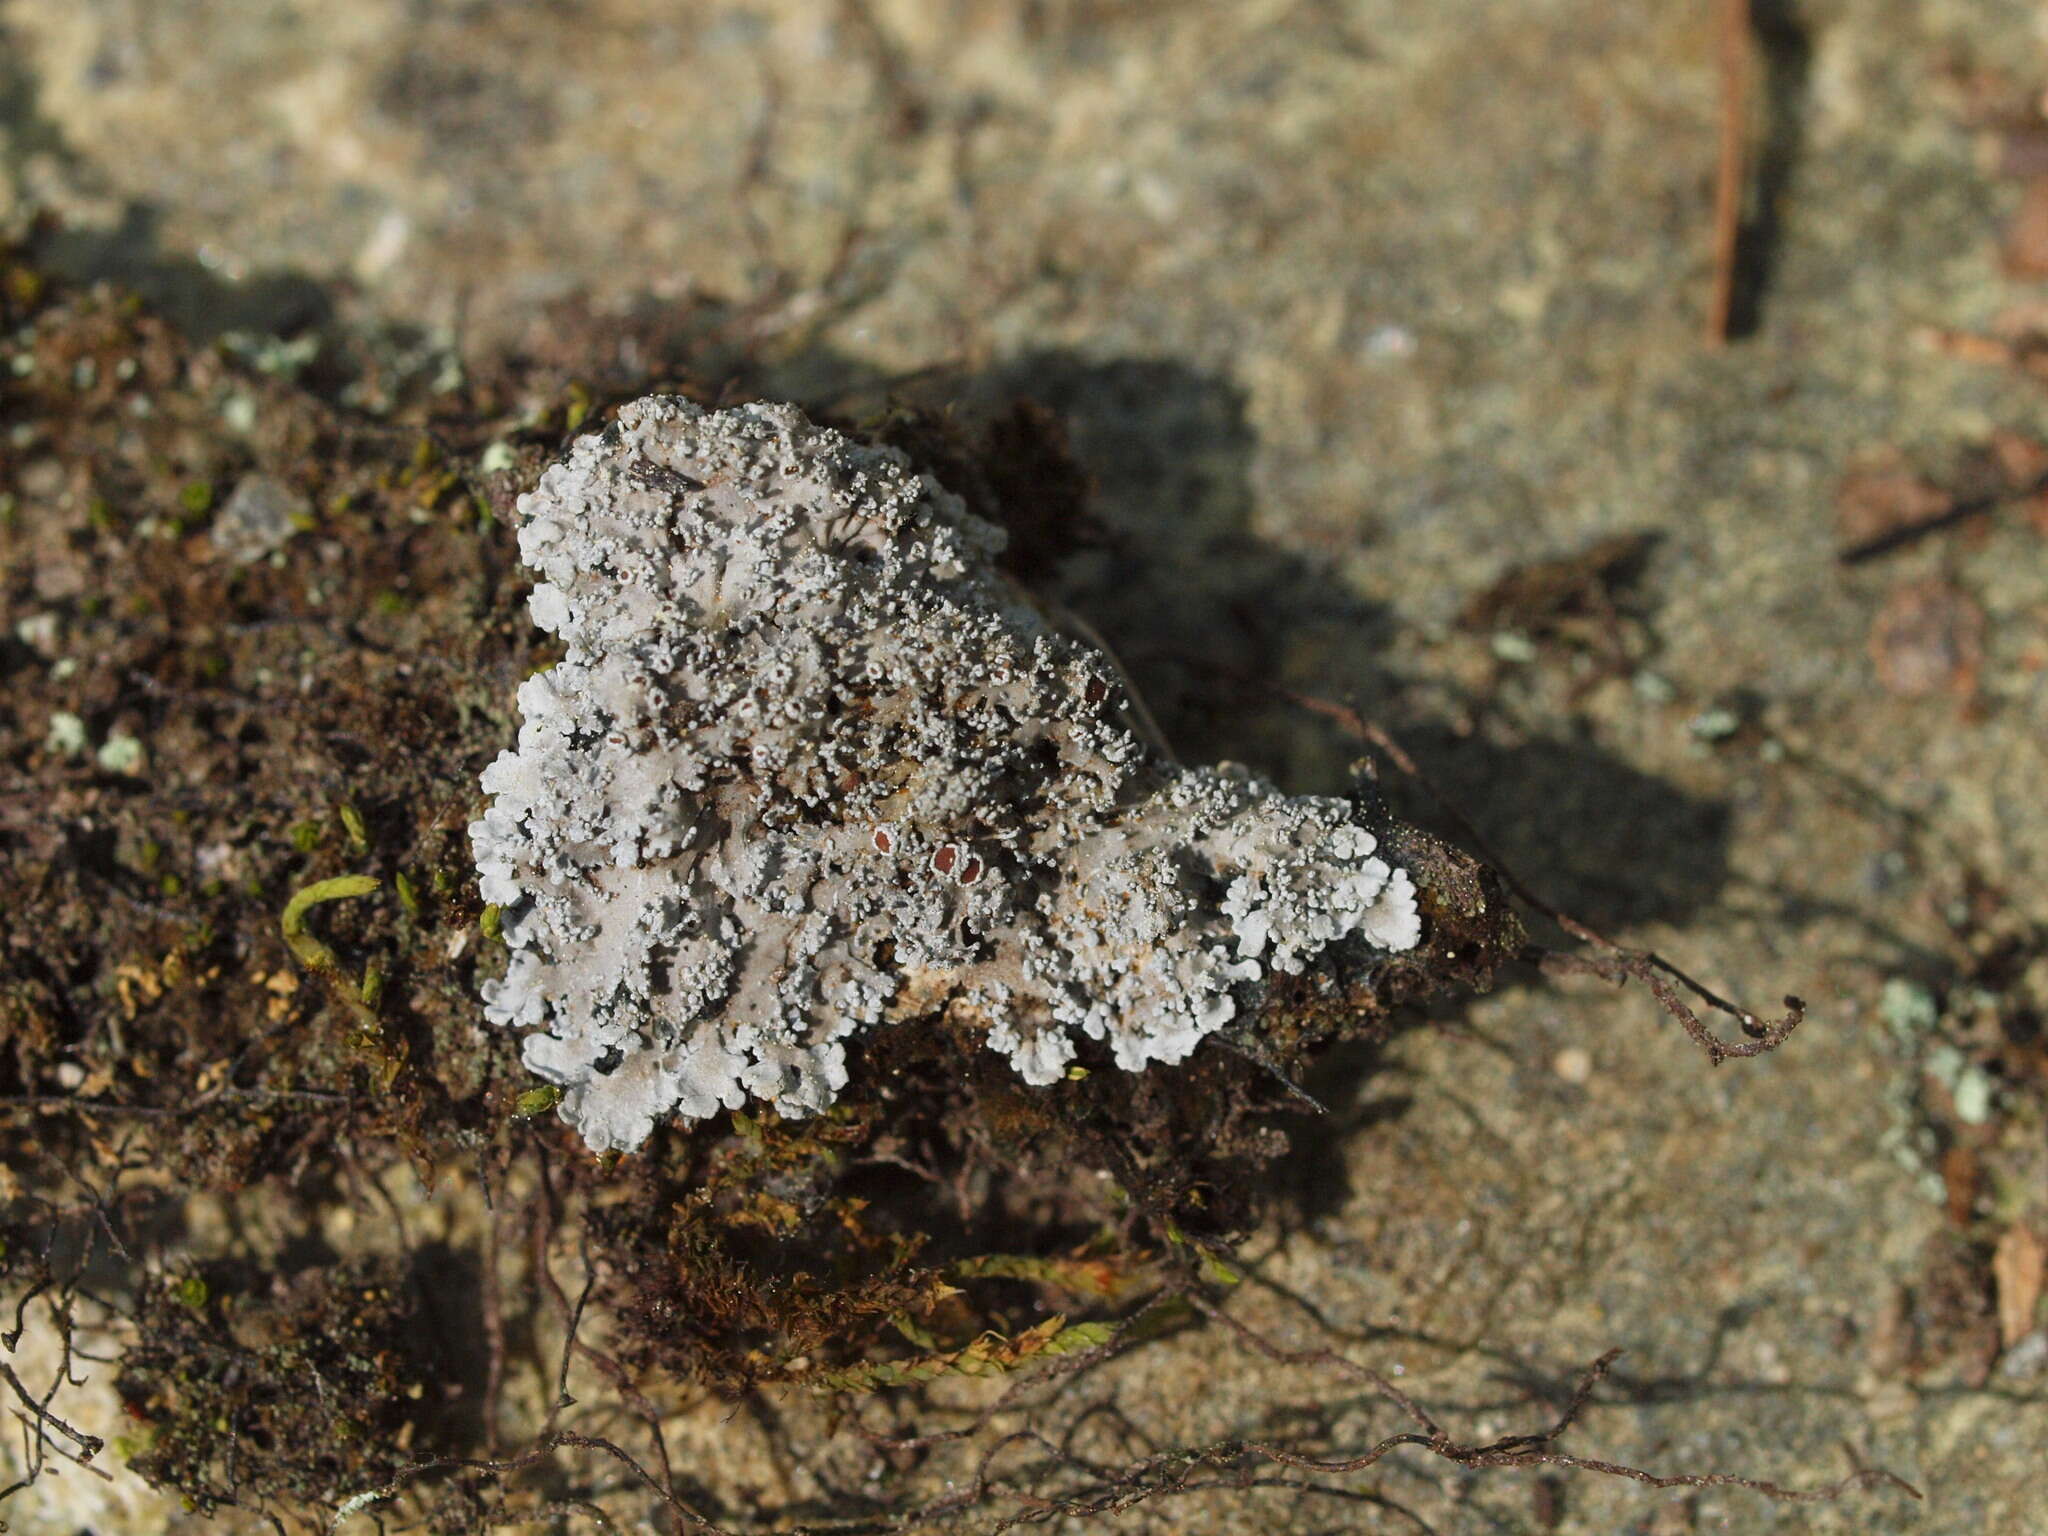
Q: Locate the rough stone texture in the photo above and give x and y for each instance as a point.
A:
(1352, 306)
(811, 764)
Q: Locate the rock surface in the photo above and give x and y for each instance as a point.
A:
(1351, 307)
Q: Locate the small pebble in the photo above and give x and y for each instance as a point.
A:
(1714, 724)
(1574, 1064)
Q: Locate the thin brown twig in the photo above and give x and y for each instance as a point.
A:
(541, 1234)
(37, 1441)
(1961, 512)
(89, 1445)
(1281, 1355)
(1729, 175)
(493, 1320)
(621, 1380)
(11, 1339)
(1623, 964)
(76, 1458)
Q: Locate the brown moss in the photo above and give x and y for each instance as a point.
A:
(286, 1393)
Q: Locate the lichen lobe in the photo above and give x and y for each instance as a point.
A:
(811, 765)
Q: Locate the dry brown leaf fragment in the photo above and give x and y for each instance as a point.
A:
(1962, 1179)
(1884, 494)
(2022, 152)
(2019, 1266)
(2017, 338)
(2021, 463)
(1928, 638)
(2019, 458)
(1967, 346)
(1561, 598)
(2026, 237)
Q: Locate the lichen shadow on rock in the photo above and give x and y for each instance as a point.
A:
(1606, 842)
(1192, 599)
(1215, 623)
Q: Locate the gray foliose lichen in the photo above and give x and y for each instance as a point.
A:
(811, 766)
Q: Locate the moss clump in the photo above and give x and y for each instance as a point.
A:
(289, 1394)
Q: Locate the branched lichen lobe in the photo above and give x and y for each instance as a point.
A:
(810, 765)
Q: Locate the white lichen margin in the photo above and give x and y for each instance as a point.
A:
(811, 765)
